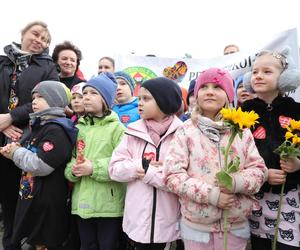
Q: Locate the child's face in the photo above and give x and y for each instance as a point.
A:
(265, 73)
(92, 101)
(148, 108)
(105, 66)
(77, 103)
(211, 99)
(243, 95)
(38, 103)
(123, 94)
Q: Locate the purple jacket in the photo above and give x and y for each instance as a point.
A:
(151, 213)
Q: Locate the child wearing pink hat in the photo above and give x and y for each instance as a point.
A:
(195, 156)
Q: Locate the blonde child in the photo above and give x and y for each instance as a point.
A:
(42, 214)
(151, 213)
(193, 159)
(272, 75)
(96, 199)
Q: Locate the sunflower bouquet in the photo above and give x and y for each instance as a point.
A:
(237, 120)
(290, 148)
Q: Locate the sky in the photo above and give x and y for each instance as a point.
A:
(166, 28)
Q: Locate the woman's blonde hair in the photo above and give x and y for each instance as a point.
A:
(40, 23)
(197, 112)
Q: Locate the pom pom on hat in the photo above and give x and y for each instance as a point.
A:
(219, 77)
(106, 84)
(166, 93)
(53, 92)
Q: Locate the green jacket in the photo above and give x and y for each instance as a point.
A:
(97, 195)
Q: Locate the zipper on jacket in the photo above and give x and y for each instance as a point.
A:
(154, 202)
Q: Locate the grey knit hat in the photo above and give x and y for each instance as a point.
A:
(53, 92)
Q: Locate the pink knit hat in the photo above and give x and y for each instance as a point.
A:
(218, 76)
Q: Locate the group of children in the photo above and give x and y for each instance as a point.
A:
(145, 172)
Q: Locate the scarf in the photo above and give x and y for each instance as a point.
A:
(17, 56)
(41, 117)
(157, 129)
(213, 130)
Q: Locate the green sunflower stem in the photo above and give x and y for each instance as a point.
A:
(226, 153)
(278, 218)
(225, 212)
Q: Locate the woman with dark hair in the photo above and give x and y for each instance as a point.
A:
(67, 57)
(24, 65)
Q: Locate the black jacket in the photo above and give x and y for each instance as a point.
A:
(42, 214)
(270, 121)
(41, 68)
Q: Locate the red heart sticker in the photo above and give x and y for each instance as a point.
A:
(284, 121)
(149, 156)
(260, 133)
(125, 118)
(47, 146)
(80, 145)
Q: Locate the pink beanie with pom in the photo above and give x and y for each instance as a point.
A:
(219, 77)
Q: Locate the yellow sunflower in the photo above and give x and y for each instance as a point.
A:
(242, 119)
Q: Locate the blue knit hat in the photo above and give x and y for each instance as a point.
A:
(127, 78)
(238, 82)
(106, 84)
(190, 91)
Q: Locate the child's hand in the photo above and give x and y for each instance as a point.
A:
(290, 165)
(83, 169)
(8, 150)
(276, 176)
(140, 173)
(226, 200)
(13, 133)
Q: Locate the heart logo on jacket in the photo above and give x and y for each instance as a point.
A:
(260, 133)
(284, 121)
(125, 118)
(149, 156)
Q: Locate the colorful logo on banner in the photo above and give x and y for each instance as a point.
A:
(139, 75)
(176, 72)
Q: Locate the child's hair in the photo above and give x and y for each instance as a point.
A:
(281, 57)
(106, 84)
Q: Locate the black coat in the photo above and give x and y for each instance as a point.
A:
(42, 213)
(41, 68)
(271, 118)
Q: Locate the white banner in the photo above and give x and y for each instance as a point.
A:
(184, 70)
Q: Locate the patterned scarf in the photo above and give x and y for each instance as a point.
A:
(21, 61)
(157, 129)
(213, 130)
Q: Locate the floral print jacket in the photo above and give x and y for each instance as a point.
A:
(191, 165)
